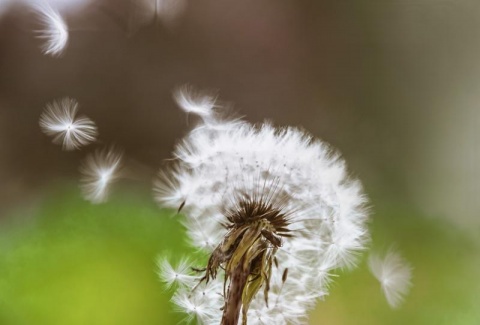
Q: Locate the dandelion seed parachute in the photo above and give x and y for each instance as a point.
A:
(55, 30)
(192, 101)
(394, 275)
(99, 170)
(60, 121)
(317, 216)
(179, 274)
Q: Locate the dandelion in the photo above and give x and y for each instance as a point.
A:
(272, 207)
(55, 30)
(60, 121)
(394, 275)
(99, 170)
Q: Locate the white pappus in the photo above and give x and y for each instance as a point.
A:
(54, 31)
(394, 275)
(274, 203)
(60, 120)
(99, 170)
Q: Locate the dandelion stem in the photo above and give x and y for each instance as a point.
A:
(233, 303)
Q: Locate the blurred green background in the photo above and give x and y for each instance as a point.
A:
(393, 84)
(81, 264)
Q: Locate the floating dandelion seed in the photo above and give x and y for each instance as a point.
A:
(275, 210)
(59, 120)
(394, 275)
(192, 101)
(55, 30)
(99, 170)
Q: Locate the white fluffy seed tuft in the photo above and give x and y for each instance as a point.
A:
(54, 31)
(99, 170)
(59, 120)
(394, 275)
(192, 101)
(179, 275)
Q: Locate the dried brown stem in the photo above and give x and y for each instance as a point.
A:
(233, 303)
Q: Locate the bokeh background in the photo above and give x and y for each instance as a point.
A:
(393, 84)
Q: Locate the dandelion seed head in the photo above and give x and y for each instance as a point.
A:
(99, 170)
(54, 32)
(394, 275)
(60, 121)
(231, 175)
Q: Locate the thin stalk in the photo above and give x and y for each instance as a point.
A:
(233, 303)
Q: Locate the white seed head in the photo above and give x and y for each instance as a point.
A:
(60, 121)
(223, 162)
(394, 275)
(99, 170)
(54, 31)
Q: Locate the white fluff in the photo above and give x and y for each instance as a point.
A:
(60, 121)
(179, 274)
(394, 275)
(70, 6)
(221, 158)
(195, 102)
(54, 31)
(202, 303)
(99, 170)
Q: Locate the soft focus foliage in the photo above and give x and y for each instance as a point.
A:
(84, 264)
(446, 267)
(68, 262)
